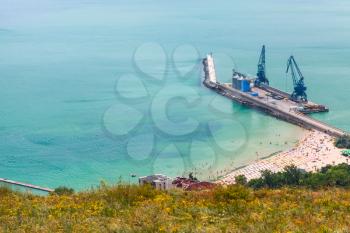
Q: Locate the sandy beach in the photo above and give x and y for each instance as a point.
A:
(313, 151)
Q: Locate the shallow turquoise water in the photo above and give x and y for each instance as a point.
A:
(62, 110)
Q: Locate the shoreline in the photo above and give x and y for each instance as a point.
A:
(313, 151)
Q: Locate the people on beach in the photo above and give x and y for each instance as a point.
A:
(314, 151)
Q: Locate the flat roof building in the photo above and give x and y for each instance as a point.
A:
(158, 181)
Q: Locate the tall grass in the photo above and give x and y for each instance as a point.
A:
(129, 208)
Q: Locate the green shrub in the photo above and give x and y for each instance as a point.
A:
(293, 175)
(241, 179)
(62, 190)
(328, 176)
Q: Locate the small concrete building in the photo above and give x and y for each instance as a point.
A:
(158, 181)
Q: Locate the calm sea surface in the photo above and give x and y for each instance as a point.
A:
(95, 90)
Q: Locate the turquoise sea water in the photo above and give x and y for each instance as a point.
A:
(61, 62)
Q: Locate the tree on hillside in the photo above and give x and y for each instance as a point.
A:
(293, 175)
(241, 179)
(270, 179)
(192, 177)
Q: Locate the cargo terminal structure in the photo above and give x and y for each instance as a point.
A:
(255, 92)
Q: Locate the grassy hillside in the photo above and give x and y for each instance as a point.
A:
(124, 208)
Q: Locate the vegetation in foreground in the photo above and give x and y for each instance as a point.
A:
(288, 207)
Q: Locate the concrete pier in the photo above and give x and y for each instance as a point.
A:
(26, 185)
(281, 109)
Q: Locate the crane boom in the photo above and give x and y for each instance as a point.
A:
(299, 93)
(261, 74)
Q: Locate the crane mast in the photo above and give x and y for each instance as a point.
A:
(261, 74)
(299, 94)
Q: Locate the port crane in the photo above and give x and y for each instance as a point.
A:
(299, 94)
(261, 74)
